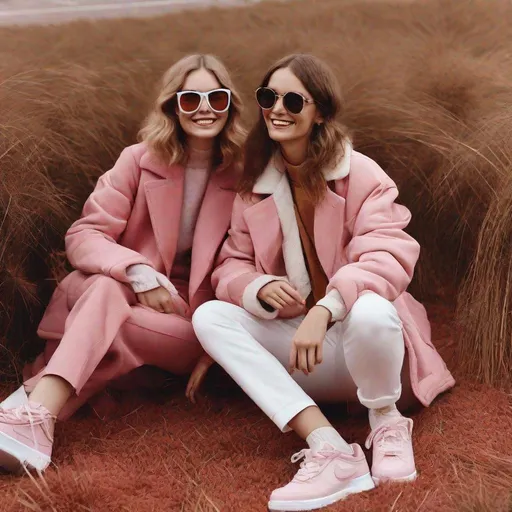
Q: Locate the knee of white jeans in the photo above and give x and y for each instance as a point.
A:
(205, 317)
(372, 316)
(206, 313)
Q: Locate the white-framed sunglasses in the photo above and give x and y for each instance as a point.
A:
(218, 100)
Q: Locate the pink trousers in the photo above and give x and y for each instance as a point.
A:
(107, 335)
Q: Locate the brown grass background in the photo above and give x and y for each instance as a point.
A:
(428, 90)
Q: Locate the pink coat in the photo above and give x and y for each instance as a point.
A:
(133, 216)
(361, 244)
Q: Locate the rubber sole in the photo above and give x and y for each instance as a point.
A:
(403, 479)
(360, 484)
(15, 456)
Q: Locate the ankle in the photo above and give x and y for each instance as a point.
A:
(379, 416)
(52, 392)
(389, 409)
(43, 409)
(327, 435)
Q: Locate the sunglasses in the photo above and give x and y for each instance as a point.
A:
(292, 101)
(218, 100)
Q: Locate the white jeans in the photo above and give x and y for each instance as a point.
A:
(362, 357)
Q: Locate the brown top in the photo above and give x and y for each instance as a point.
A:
(305, 214)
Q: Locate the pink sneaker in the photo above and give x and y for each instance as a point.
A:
(324, 477)
(393, 457)
(26, 437)
(19, 397)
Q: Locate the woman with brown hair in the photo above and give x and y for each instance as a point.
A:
(312, 286)
(143, 251)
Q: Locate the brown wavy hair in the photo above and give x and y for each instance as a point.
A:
(326, 144)
(162, 130)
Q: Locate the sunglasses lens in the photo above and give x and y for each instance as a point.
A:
(219, 100)
(293, 102)
(189, 102)
(265, 97)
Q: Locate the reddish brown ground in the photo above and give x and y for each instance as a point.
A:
(160, 453)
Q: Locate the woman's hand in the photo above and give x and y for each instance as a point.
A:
(307, 344)
(158, 299)
(164, 301)
(279, 295)
(197, 376)
(292, 311)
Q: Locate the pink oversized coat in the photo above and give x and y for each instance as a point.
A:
(361, 243)
(133, 216)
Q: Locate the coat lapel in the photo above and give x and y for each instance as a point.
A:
(164, 198)
(329, 218)
(266, 233)
(212, 225)
(293, 254)
(328, 227)
(274, 181)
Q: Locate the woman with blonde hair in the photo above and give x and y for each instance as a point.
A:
(143, 251)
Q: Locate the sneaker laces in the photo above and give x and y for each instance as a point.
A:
(390, 438)
(33, 415)
(312, 464)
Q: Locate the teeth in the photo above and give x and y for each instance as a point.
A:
(277, 122)
(204, 122)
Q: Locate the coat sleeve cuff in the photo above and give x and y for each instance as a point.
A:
(142, 278)
(334, 303)
(252, 304)
(119, 270)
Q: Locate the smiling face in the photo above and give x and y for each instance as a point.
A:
(205, 124)
(292, 131)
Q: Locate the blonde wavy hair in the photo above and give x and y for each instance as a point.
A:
(325, 147)
(162, 131)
